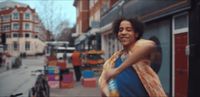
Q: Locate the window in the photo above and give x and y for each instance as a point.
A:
(6, 18)
(27, 35)
(6, 28)
(27, 16)
(15, 26)
(15, 15)
(91, 3)
(27, 26)
(105, 7)
(36, 36)
(15, 45)
(27, 45)
(15, 35)
(180, 22)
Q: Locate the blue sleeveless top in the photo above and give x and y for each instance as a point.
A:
(128, 82)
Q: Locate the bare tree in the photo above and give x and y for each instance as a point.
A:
(51, 14)
(64, 31)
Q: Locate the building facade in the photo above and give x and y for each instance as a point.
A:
(21, 26)
(82, 23)
(172, 25)
(89, 37)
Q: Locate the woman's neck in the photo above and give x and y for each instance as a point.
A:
(127, 49)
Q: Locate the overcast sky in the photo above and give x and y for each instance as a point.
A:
(65, 8)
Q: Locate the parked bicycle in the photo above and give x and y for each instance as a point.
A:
(16, 95)
(41, 87)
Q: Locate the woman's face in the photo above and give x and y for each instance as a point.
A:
(126, 34)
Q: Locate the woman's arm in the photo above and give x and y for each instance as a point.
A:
(141, 50)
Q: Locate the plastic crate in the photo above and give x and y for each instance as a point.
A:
(88, 74)
(89, 82)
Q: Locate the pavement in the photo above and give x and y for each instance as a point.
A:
(77, 91)
(3, 69)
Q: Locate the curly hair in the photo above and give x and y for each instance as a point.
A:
(137, 26)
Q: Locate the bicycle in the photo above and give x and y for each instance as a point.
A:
(41, 87)
(16, 95)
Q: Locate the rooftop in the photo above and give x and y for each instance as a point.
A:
(9, 3)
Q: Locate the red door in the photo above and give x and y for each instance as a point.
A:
(181, 65)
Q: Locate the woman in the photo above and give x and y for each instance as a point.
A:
(130, 67)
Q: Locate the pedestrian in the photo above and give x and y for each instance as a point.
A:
(76, 61)
(130, 67)
(1, 59)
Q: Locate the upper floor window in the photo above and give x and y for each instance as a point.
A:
(15, 15)
(27, 26)
(5, 28)
(6, 18)
(91, 3)
(105, 7)
(15, 35)
(15, 26)
(27, 16)
(27, 35)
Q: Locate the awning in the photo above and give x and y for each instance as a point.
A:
(105, 28)
(84, 36)
(92, 32)
(79, 39)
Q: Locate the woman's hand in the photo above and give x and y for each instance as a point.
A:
(111, 73)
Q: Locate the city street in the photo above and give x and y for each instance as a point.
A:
(21, 80)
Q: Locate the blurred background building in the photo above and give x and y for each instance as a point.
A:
(23, 30)
(171, 24)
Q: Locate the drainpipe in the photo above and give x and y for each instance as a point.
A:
(194, 45)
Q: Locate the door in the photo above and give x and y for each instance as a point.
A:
(181, 65)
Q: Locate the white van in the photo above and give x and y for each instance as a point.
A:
(64, 51)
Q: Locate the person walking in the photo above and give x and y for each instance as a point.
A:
(76, 61)
(130, 67)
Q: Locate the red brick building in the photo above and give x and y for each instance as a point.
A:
(88, 22)
(22, 27)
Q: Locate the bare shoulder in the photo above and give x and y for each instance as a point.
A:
(145, 43)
